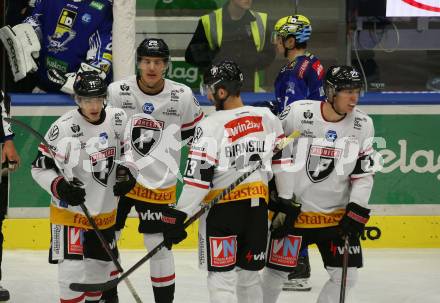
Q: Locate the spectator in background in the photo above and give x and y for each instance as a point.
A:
(66, 37)
(233, 32)
(12, 161)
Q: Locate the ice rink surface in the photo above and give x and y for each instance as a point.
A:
(388, 276)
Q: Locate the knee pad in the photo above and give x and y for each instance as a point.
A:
(247, 278)
(221, 286)
(336, 275)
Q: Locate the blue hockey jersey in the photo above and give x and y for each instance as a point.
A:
(299, 80)
(71, 32)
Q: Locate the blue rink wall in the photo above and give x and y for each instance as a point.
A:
(405, 198)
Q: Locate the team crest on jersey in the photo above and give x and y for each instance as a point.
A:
(321, 161)
(102, 164)
(146, 134)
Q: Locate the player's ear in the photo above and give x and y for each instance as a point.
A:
(289, 43)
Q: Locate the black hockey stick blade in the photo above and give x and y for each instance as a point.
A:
(83, 287)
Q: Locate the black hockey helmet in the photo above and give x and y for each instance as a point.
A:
(89, 84)
(225, 74)
(153, 47)
(339, 77)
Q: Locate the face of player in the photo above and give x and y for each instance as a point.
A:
(243, 4)
(91, 107)
(345, 100)
(152, 70)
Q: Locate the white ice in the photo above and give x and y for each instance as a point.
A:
(388, 276)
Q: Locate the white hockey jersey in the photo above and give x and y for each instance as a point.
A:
(156, 128)
(227, 144)
(87, 152)
(332, 162)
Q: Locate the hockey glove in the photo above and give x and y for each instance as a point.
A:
(124, 181)
(286, 212)
(71, 193)
(174, 231)
(354, 220)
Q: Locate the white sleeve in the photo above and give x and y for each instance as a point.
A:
(362, 176)
(44, 170)
(191, 114)
(113, 99)
(199, 172)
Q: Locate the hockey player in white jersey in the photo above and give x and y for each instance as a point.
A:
(229, 142)
(162, 116)
(332, 179)
(86, 142)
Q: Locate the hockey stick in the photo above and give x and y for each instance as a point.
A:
(344, 269)
(84, 208)
(205, 207)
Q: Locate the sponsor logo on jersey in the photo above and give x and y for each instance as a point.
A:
(53, 133)
(75, 128)
(97, 5)
(308, 133)
(321, 162)
(146, 134)
(243, 126)
(148, 108)
(74, 241)
(66, 19)
(124, 87)
(53, 63)
(151, 215)
(127, 103)
(308, 115)
(317, 66)
(302, 69)
(250, 257)
(118, 120)
(103, 137)
(357, 122)
(102, 164)
(339, 250)
(171, 111)
(86, 18)
(284, 252)
(198, 133)
(331, 135)
(284, 113)
(223, 251)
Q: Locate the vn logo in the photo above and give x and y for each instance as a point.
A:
(284, 252)
(223, 251)
(151, 216)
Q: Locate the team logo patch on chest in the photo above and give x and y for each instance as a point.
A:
(102, 164)
(146, 134)
(321, 162)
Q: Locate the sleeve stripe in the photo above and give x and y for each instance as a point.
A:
(202, 156)
(45, 151)
(199, 185)
(191, 124)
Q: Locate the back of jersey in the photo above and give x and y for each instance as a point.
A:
(229, 143)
